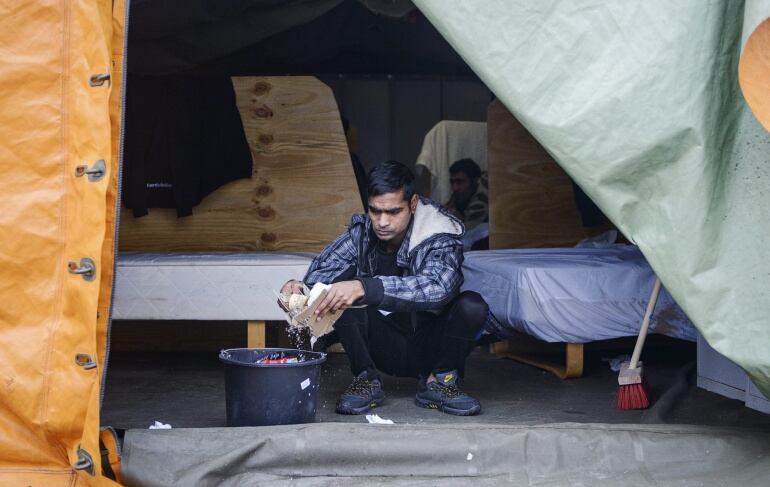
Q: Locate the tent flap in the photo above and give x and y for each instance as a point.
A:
(55, 116)
(639, 102)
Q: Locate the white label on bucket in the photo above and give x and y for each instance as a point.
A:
(304, 384)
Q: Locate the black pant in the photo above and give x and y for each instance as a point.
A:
(391, 344)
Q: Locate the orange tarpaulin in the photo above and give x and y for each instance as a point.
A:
(754, 73)
(58, 111)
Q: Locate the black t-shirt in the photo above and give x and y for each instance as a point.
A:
(386, 263)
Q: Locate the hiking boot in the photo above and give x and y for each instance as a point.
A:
(444, 395)
(361, 395)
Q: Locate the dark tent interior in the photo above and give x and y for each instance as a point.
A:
(393, 77)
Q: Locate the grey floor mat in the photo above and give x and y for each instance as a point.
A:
(479, 455)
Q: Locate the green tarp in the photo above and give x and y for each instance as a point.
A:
(639, 102)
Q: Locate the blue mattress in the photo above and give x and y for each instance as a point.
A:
(572, 295)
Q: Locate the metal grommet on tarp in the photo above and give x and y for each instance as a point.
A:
(98, 79)
(86, 268)
(94, 173)
(85, 462)
(86, 361)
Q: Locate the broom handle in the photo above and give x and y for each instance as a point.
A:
(645, 324)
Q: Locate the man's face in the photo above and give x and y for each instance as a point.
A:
(463, 187)
(390, 215)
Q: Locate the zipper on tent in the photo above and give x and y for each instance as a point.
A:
(121, 151)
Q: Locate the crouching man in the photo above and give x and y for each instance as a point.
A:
(402, 260)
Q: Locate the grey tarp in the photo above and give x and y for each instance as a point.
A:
(364, 454)
(639, 102)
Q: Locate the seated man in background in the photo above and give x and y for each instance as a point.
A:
(470, 201)
(402, 260)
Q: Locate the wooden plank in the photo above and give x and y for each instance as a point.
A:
(255, 334)
(302, 192)
(531, 197)
(570, 369)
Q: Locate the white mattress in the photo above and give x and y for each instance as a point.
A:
(203, 286)
(572, 295)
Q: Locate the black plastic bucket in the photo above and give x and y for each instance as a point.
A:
(267, 394)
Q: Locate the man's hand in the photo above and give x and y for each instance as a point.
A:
(292, 287)
(341, 295)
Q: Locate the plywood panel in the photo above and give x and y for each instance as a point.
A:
(302, 192)
(531, 198)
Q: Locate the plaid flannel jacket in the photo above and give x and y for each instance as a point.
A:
(432, 269)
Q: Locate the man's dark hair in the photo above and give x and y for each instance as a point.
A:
(390, 177)
(468, 166)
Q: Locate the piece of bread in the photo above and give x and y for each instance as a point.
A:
(300, 310)
(297, 302)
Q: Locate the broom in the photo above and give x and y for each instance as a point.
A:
(632, 390)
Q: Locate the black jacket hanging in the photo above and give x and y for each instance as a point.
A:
(184, 139)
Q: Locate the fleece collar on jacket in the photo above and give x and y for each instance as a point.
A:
(429, 220)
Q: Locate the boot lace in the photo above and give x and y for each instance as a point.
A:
(449, 391)
(359, 387)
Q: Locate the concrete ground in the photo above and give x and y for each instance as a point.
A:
(187, 390)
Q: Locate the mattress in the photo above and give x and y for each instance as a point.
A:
(572, 295)
(203, 286)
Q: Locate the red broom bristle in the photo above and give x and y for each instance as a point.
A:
(633, 396)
